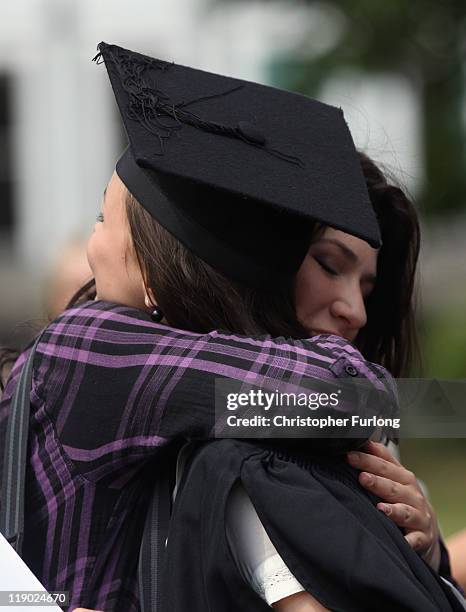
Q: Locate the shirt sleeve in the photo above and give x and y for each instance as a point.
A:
(116, 387)
(256, 558)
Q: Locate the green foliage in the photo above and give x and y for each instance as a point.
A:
(440, 465)
(443, 344)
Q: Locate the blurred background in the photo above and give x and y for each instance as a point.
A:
(396, 68)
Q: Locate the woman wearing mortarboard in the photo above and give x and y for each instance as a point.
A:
(206, 225)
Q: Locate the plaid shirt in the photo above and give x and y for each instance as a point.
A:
(110, 390)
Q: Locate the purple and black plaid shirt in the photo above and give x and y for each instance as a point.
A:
(111, 389)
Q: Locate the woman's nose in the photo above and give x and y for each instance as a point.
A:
(351, 309)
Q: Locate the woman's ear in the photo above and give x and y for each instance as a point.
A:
(149, 298)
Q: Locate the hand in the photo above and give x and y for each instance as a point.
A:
(408, 507)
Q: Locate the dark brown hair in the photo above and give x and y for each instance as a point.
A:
(194, 296)
(389, 337)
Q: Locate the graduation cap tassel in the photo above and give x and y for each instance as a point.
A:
(98, 58)
(147, 104)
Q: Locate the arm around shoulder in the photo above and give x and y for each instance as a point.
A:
(119, 386)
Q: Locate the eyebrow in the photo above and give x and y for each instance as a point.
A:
(350, 254)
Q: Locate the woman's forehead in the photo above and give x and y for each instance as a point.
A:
(335, 236)
(115, 192)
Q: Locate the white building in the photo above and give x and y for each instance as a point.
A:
(59, 127)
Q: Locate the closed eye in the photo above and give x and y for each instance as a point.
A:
(326, 267)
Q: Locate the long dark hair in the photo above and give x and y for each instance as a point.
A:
(196, 297)
(389, 337)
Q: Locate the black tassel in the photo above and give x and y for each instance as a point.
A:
(149, 105)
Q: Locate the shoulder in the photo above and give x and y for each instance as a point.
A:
(110, 321)
(109, 328)
(321, 351)
(99, 314)
(97, 329)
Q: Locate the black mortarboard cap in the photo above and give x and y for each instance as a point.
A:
(236, 170)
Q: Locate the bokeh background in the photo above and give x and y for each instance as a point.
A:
(397, 69)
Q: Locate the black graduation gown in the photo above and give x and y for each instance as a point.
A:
(343, 550)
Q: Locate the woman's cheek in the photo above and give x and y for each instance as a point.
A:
(97, 255)
(304, 288)
(90, 253)
(98, 262)
(313, 296)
